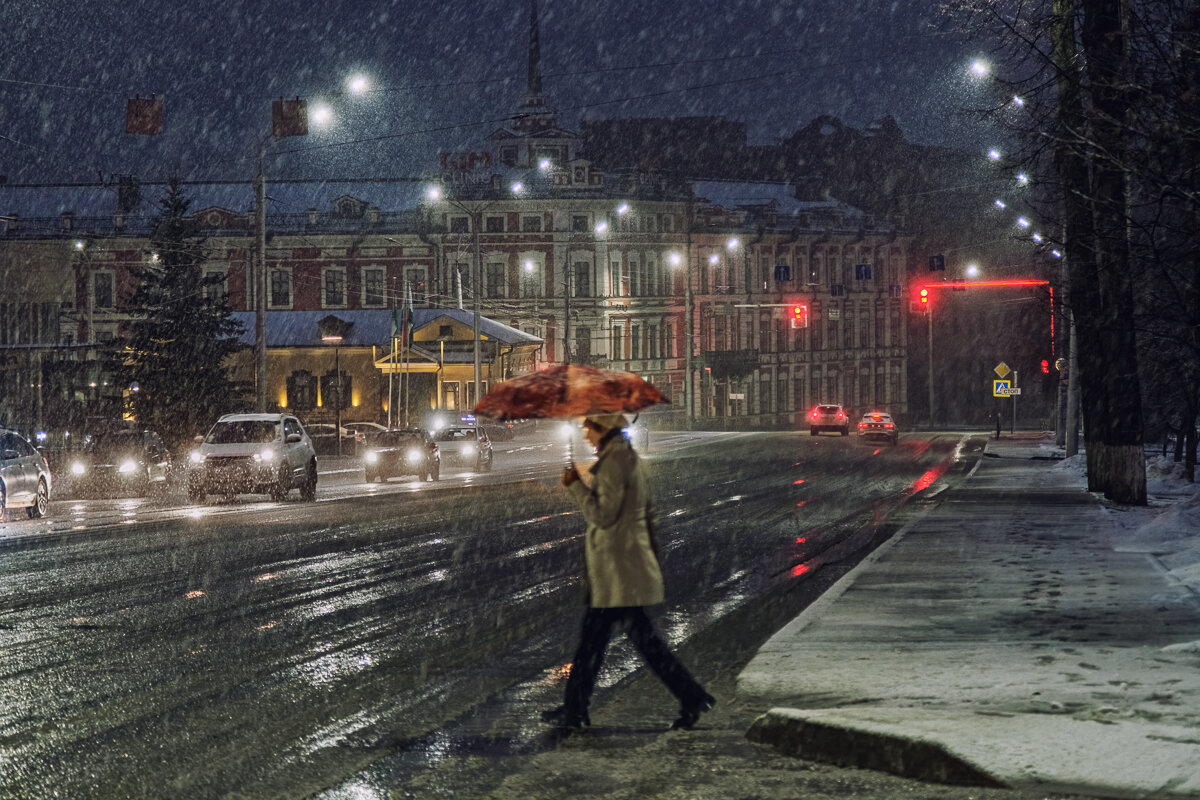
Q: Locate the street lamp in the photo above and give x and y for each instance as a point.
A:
(336, 340)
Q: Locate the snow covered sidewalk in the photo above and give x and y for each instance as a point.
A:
(1021, 633)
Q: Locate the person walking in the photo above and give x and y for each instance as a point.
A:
(621, 576)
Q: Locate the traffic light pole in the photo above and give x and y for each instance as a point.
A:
(929, 317)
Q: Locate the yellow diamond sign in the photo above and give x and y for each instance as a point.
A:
(1002, 369)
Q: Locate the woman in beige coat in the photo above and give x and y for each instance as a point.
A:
(621, 576)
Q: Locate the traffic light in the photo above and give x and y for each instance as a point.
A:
(924, 296)
(799, 315)
(1045, 366)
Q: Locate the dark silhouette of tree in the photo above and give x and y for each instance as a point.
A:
(182, 332)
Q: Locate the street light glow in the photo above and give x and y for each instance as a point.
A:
(518, 187)
(1001, 204)
(1018, 101)
(358, 83)
(79, 244)
(994, 154)
(433, 193)
(544, 165)
(623, 208)
(714, 259)
(528, 266)
(980, 68)
(972, 270)
(732, 243)
(321, 116)
(674, 258)
(1021, 221)
(1022, 178)
(601, 226)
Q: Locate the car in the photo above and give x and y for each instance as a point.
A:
(466, 445)
(121, 462)
(878, 425)
(24, 476)
(501, 430)
(253, 454)
(363, 429)
(828, 417)
(402, 451)
(325, 444)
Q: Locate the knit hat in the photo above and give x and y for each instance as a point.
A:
(607, 422)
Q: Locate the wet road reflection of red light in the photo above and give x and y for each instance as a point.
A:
(797, 483)
(801, 539)
(801, 504)
(799, 570)
(929, 477)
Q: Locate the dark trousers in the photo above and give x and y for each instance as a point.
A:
(598, 625)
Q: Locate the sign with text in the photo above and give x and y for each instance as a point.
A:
(1004, 389)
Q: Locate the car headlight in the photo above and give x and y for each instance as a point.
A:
(265, 455)
(413, 455)
(468, 450)
(566, 430)
(77, 468)
(196, 457)
(127, 466)
(372, 457)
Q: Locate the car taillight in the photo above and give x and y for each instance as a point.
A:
(841, 415)
(862, 424)
(888, 425)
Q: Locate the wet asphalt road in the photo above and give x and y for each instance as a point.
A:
(153, 648)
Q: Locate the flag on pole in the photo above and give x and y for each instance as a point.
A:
(408, 315)
(395, 324)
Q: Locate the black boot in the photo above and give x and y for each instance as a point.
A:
(564, 717)
(689, 715)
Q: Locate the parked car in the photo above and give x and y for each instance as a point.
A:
(402, 451)
(120, 462)
(362, 429)
(252, 454)
(465, 445)
(24, 476)
(325, 444)
(878, 425)
(828, 417)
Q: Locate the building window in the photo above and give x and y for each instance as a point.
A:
(335, 288)
(415, 280)
(508, 155)
(459, 225)
(653, 337)
(579, 223)
(373, 287)
(281, 288)
(669, 341)
(301, 391)
(215, 287)
(583, 279)
(617, 352)
(495, 279)
(102, 290)
(583, 343)
(667, 223)
(531, 224)
(635, 341)
(495, 225)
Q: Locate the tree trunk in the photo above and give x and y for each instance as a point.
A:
(1104, 40)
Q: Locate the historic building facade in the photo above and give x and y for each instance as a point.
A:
(745, 304)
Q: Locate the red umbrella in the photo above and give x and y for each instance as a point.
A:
(569, 390)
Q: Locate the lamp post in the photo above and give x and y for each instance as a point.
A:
(336, 340)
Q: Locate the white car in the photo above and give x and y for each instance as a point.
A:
(466, 445)
(24, 476)
(252, 454)
(878, 425)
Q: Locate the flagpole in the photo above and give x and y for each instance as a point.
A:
(392, 355)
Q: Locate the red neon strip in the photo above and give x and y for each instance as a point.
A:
(985, 284)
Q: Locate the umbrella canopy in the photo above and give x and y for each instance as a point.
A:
(569, 390)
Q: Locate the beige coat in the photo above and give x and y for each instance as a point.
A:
(621, 568)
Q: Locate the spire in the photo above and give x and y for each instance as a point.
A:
(533, 92)
(534, 114)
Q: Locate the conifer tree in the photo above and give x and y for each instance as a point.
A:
(182, 332)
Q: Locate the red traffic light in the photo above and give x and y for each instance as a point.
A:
(924, 296)
(1045, 367)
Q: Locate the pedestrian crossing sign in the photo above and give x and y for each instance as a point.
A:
(1004, 388)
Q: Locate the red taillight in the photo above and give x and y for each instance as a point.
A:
(841, 415)
(862, 425)
(888, 425)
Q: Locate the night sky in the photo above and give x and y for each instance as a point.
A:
(444, 74)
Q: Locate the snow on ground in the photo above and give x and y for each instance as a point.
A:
(1168, 527)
